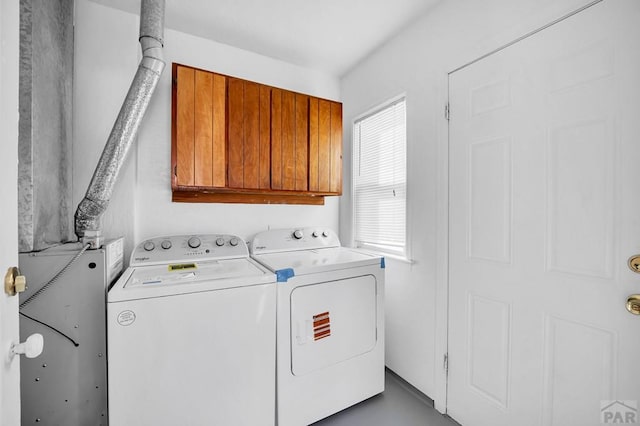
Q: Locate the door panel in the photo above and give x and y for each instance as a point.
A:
(490, 200)
(302, 142)
(203, 128)
(235, 136)
(264, 181)
(543, 146)
(251, 126)
(249, 138)
(325, 146)
(335, 183)
(200, 122)
(287, 143)
(9, 369)
(277, 136)
(219, 136)
(314, 143)
(185, 132)
(489, 333)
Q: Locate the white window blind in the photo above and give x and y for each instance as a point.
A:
(380, 179)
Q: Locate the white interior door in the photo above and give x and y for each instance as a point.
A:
(544, 213)
(9, 369)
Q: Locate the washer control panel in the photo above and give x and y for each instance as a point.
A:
(188, 248)
(278, 240)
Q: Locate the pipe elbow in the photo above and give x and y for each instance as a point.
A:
(152, 55)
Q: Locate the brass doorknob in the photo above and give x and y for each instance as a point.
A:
(634, 263)
(14, 282)
(633, 304)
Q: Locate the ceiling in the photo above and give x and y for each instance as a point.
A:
(331, 36)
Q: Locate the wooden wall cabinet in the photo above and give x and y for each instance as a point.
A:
(239, 141)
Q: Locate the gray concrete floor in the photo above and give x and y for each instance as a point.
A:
(399, 405)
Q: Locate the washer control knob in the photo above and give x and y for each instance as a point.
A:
(315, 234)
(325, 234)
(297, 234)
(194, 242)
(166, 244)
(149, 245)
(233, 241)
(220, 242)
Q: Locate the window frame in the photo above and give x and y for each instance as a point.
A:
(403, 252)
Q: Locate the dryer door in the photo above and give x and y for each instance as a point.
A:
(331, 322)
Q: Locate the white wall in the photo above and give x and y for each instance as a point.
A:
(416, 62)
(106, 57)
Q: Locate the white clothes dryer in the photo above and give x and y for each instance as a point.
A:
(330, 322)
(191, 335)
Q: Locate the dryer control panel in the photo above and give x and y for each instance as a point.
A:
(290, 239)
(186, 248)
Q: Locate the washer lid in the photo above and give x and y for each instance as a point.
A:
(141, 282)
(302, 262)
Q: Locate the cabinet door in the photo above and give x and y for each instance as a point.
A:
(200, 128)
(325, 146)
(289, 140)
(302, 143)
(184, 126)
(248, 136)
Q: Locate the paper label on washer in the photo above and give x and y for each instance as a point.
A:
(126, 318)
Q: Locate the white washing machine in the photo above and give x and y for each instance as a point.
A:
(330, 322)
(191, 335)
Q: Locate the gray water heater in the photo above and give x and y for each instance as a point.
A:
(67, 384)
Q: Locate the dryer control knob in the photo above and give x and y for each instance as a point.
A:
(297, 234)
(325, 234)
(166, 244)
(315, 234)
(220, 242)
(149, 245)
(194, 242)
(234, 241)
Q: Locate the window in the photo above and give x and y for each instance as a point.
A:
(380, 179)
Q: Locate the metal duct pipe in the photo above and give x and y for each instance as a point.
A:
(88, 216)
